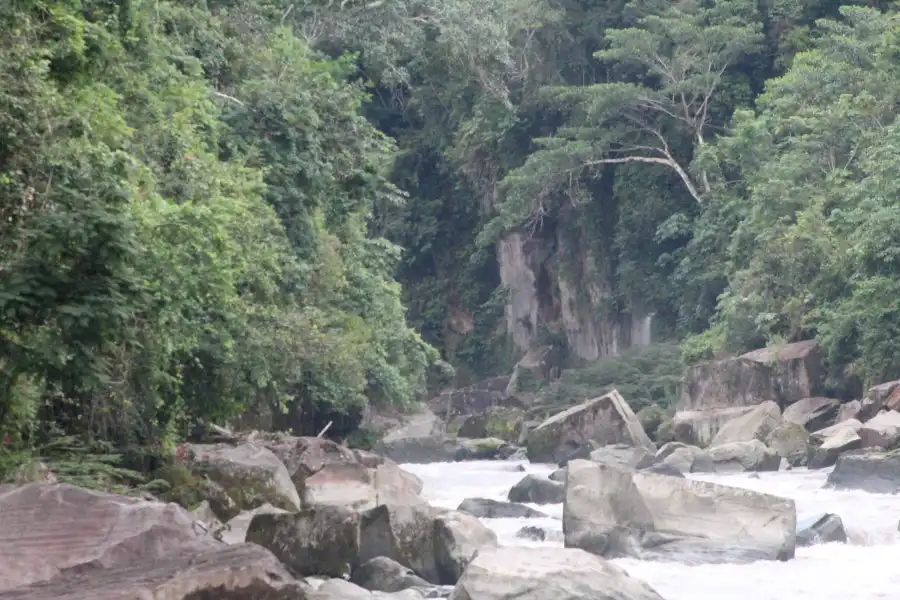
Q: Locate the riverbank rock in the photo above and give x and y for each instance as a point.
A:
(684, 458)
(820, 529)
(604, 420)
(623, 456)
(791, 442)
(483, 449)
(881, 431)
(435, 543)
(244, 572)
(504, 423)
(250, 474)
(740, 457)
(422, 439)
(615, 512)
(485, 508)
(876, 473)
(714, 393)
(756, 424)
(48, 528)
(831, 442)
(319, 541)
(381, 574)
(547, 574)
(537, 490)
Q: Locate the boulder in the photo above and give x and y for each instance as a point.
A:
(251, 474)
(885, 396)
(623, 456)
(739, 457)
(318, 541)
(791, 442)
(820, 529)
(236, 529)
(49, 528)
(485, 508)
(385, 575)
(458, 537)
(714, 393)
(539, 534)
(664, 469)
(435, 543)
(243, 572)
(874, 473)
(547, 574)
(483, 449)
(616, 512)
(881, 431)
(813, 413)
(504, 423)
(833, 441)
(537, 490)
(476, 399)
(756, 424)
(605, 420)
(420, 440)
(558, 475)
(847, 411)
(684, 458)
(355, 485)
(796, 369)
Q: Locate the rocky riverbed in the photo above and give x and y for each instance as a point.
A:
(864, 568)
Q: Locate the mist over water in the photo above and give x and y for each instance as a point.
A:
(866, 568)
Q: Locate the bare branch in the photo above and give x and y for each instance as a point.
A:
(654, 160)
(227, 97)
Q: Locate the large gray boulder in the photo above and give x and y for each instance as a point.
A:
(813, 413)
(740, 457)
(881, 431)
(536, 490)
(617, 512)
(49, 528)
(684, 458)
(320, 541)
(755, 425)
(832, 442)
(486, 508)
(876, 473)
(603, 421)
(547, 574)
(714, 393)
(385, 575)
(250, 474)
(791, 442)
(435, 543)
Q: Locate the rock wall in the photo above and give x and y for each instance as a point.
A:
(575, 300)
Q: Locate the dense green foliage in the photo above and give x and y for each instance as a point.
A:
(213, 208)
(185, 189)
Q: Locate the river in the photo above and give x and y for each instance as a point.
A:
(866, 568)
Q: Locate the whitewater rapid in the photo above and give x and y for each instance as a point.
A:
(866, 568)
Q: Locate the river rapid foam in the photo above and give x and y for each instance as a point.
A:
(866, 568)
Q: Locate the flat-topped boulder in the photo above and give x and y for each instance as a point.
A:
(602, 421)
(616, 512)
(243, 572)
(547, 574)
(716, 392)
(876, 473)
(49, 528)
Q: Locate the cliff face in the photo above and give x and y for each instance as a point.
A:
(558, 285)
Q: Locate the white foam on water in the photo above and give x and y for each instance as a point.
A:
(867, 568)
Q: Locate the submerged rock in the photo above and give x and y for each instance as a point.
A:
(820, 529)
(485, 508)
(537, 490)
(616, 512)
